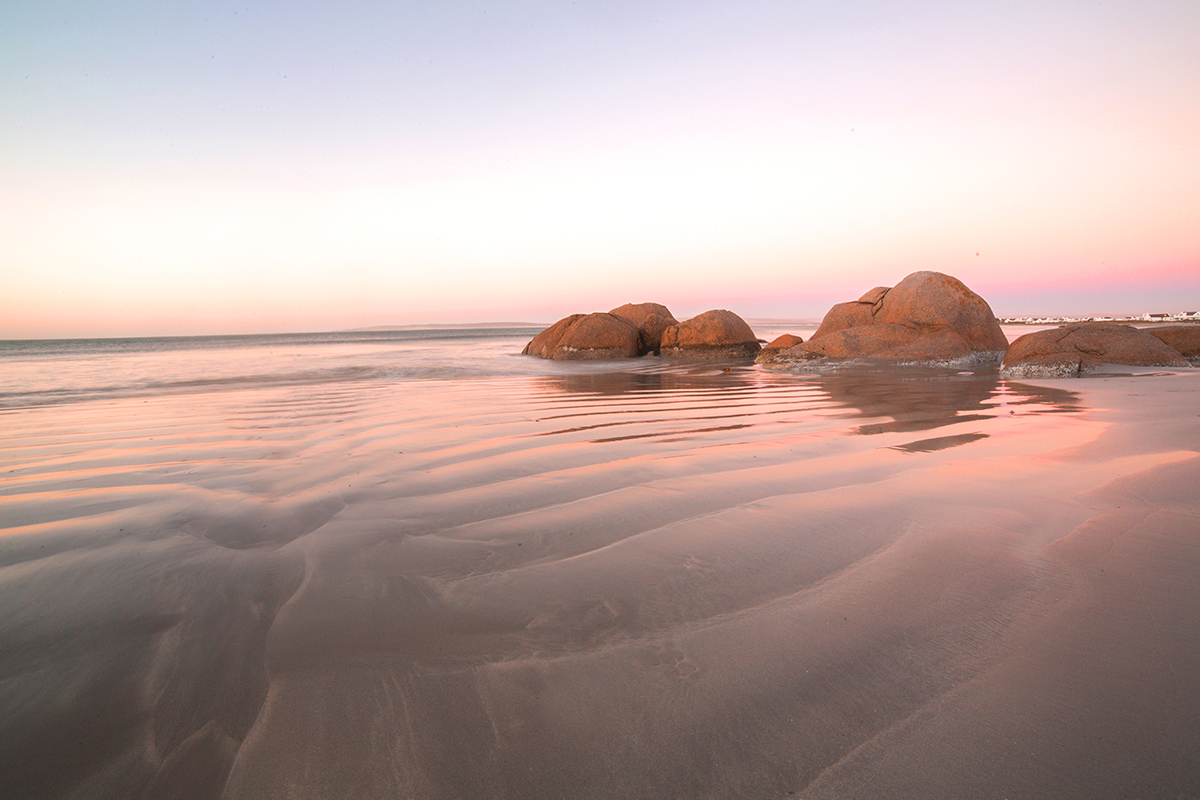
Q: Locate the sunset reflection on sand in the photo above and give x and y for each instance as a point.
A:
(449, 588)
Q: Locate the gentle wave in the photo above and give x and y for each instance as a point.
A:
(39, 348)
(57, 372)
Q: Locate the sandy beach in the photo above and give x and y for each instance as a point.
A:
(834, 433)
(649, 580)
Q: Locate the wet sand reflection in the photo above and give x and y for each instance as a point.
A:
(912, 399)
(657, 582)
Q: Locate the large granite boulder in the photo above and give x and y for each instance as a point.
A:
(651, 319)
(713, 335)
(1184, 338)
(897, 343)
(1080, 348)
(544, 343)
(586, 337)
(933, 302)
(927, 318)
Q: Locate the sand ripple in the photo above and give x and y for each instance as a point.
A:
(657, 582)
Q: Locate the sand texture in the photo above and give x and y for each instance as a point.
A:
(664, 582)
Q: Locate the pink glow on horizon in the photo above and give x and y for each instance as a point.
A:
(532, 162)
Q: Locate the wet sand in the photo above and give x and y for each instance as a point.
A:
(661, 582)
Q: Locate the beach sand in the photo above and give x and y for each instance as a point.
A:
(682, 582)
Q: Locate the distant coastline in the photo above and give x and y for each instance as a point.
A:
(427, 326)
(1183, 316)
(770, 322)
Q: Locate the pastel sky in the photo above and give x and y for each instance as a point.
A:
(175, 168)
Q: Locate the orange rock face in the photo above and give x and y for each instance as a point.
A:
(1082, 347)
(875, 295)
(637, 312)
(784, 341)
(926, 318)
(713, 335)
(926, 300)
(1184, 338)
(639, 328)
(843, 316)
(586, 337)
(651, 319)
(544, 343)
(851, 342)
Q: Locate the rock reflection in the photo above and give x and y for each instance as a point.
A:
(932, 400)
(939, 443)
(669, 404)
(730, 397)
(708, 377)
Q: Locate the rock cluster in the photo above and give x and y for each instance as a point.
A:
(1080, 348)
(637, 329)
(926, 318)
(651, 319)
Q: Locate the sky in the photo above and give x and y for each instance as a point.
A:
(189, 168)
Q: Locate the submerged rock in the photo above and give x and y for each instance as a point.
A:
(586, 337)
(1081, 347)
(711, 336)
(928, 317)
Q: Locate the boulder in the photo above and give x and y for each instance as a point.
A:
(849, 342)
(783, 342)
(651, 332)
(586, 337)
(843, 316)
(1081, 347)
(713, 335)
(931, 300)
(926, 318)
(1183, 338)
(651, 319)
(890, 343)
(637, 312)
(544, 343)
(875, 296)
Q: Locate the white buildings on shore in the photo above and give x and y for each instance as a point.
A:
(1182, 316)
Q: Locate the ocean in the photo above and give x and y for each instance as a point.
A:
(416, 563)
(75, 370)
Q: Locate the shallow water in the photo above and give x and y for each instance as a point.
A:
(383, 565)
